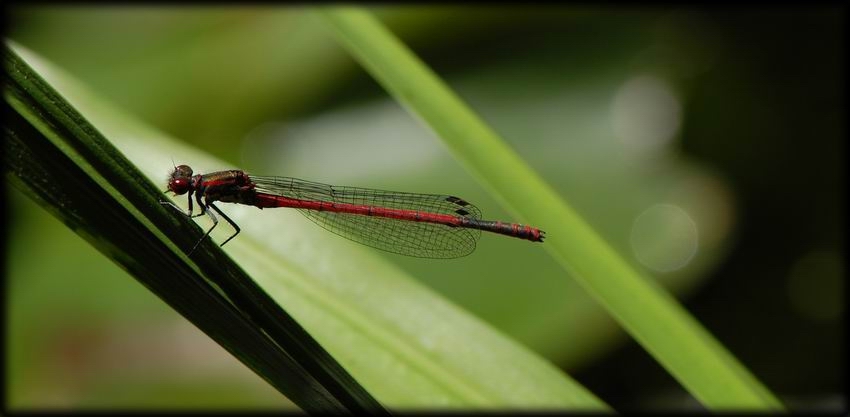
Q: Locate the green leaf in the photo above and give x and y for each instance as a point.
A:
(54, 155)
(406, 345)
(652, 316)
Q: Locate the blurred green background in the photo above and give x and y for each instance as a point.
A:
(705, 145)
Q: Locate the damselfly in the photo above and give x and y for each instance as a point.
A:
(420, 225)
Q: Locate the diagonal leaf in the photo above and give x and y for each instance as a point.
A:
(55, 156)
(407, 345)
(653, 317)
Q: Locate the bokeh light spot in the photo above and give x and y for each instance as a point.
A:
(645, 115)
(664, 237)
(815, 285)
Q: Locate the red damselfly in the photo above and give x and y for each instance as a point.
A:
(420, 225)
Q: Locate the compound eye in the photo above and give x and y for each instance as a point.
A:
(179, 185)
(182, 171)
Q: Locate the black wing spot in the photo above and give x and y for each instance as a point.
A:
(462, 212)
(456, 200)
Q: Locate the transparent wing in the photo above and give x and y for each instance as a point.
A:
(411, 238)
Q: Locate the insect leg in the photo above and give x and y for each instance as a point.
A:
(228, 220)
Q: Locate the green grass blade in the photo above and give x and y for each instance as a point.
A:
(53, 154)
(408, 346)
(653, 317)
